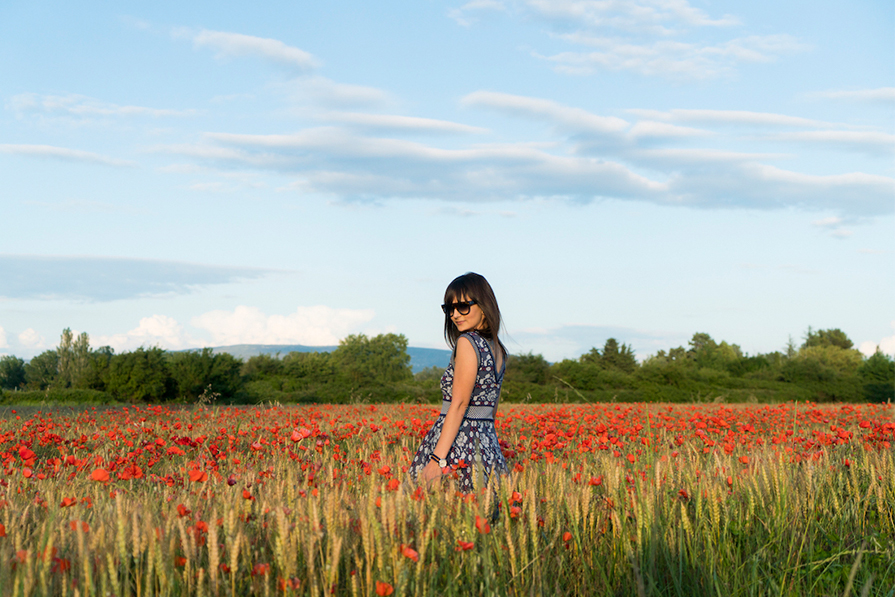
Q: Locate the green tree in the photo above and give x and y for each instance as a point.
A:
(376, 361)
(619, 357)
(193, 371)
(612, 356)
(262, 366)
(12, 372)
(141, 375)
(74, 359)
(310, 367)
(878, 375)
(41, 371)
(94, 377)
(528, 368)
(834, 337)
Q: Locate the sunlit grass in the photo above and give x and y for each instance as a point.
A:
(601, 500)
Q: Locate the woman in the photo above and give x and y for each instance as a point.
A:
(463, 438)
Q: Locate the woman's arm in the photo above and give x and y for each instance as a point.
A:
(466, 367)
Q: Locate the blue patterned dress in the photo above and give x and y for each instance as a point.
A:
(476, 443)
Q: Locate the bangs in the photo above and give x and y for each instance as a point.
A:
(457, 289)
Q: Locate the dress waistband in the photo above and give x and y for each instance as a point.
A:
(483, 413)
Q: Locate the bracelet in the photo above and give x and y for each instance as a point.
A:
(434, 458)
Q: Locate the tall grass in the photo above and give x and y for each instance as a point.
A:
(578, 520)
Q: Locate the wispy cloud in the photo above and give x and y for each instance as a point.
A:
(65, 154)
(97, 279)
(657, 17)
(333, 161)
(884, 95)
(732, 117)
(568, 118)
(668, 58)
(229, 44)
(397, 123)
(833, 225)
(593, 157)
(873, 142)
(463, 14)
(320, 91)
(648, 37)
(83, 107)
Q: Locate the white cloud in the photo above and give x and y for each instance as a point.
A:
(401, 123)
(827, 222)
(874, 142)
(568, 118)
(79, 105)
(157, 330)
(731, 117)
(326, 92)
(882, 94)
(668, 58)
(645, 16)
(237, 44)
(461, 15)
(63, 153)
(886, 345)
(653, 129)
(31, 339)
(648, 37)
(313, 326)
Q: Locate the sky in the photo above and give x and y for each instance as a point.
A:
(210, 173)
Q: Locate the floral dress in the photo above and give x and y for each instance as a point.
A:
(475, 452)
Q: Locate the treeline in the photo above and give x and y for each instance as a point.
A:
(360, 368)
(825, 367)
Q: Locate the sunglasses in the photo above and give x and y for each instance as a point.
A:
(461, 307)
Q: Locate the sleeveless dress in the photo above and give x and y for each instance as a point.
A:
(476, 444)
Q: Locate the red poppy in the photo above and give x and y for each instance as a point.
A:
(407, 552)
(383, 589)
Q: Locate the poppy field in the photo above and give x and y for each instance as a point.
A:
(602, 499)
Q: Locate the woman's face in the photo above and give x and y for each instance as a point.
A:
(474, 320)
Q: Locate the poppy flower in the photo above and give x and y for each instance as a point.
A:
(409, 553)
(101, 475)
(383, 589)
(464, 545)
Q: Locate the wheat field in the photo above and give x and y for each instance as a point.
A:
(606, 499)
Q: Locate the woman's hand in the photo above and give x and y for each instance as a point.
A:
(431, 471)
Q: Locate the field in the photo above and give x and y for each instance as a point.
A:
(603, 499)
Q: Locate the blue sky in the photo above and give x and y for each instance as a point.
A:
(191, 174)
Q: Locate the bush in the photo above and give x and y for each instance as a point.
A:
(56, 396)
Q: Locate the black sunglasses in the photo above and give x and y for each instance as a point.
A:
(461, 307)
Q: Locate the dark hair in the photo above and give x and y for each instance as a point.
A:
(474, 287)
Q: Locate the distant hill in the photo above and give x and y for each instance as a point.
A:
(420, 358)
